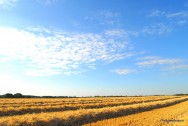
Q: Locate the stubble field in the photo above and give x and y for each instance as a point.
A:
(101, 111)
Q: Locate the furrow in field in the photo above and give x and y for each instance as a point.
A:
(110, 102)
(10, 111)
(83, 116)
(43, 101)
(169, 116)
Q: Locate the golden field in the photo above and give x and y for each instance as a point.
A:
(101, 111)
(175, 115)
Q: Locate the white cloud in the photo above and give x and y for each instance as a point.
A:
(39, 29)
(177, 67)
(123, 71)
(7, 3)
(181, 22)
(109, 14)
(153, 60)
(181, 14)
(155, 29)
(167, 65)
(121, 33)
(158, 13)
(104, 18)
(155, 13)
(158, 28)
(179, 17)
(48, 52)
(116, 32)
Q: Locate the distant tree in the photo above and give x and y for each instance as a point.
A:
(18, 95)
(9, 95)
(47, 96)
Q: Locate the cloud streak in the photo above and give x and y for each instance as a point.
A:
(165, 64)
(7, 3)
(153, 60)
(181, 14)
(158, 13)
(104, 18)
(178, 67)
(124, 71)
(158, 29)
(179, 17)
(49, 52)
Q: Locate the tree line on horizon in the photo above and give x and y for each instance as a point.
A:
(19, 95)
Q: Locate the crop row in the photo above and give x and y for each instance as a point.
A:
(171, 116)
(39, 101)
(53, 102)
(83, 116)
(10, 111)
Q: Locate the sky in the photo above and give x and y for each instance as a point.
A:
(93, 47)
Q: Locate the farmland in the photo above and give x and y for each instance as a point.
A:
(175, 115)
(93, 111)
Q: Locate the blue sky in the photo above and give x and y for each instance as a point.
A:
(93, 47)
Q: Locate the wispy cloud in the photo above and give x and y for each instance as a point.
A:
(47, 52)
(7, 3)
(179, 17)
(124, 71)
(116, 32)
(156, 12)
(104, 18)
(158, 29)
(178, 67)
(113, 23)
(154, 60)
(167, 65)
(181, 14)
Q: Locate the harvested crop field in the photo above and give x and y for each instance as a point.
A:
(175, 115)
(104, 111)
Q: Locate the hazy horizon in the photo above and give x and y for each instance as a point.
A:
(93, 47)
